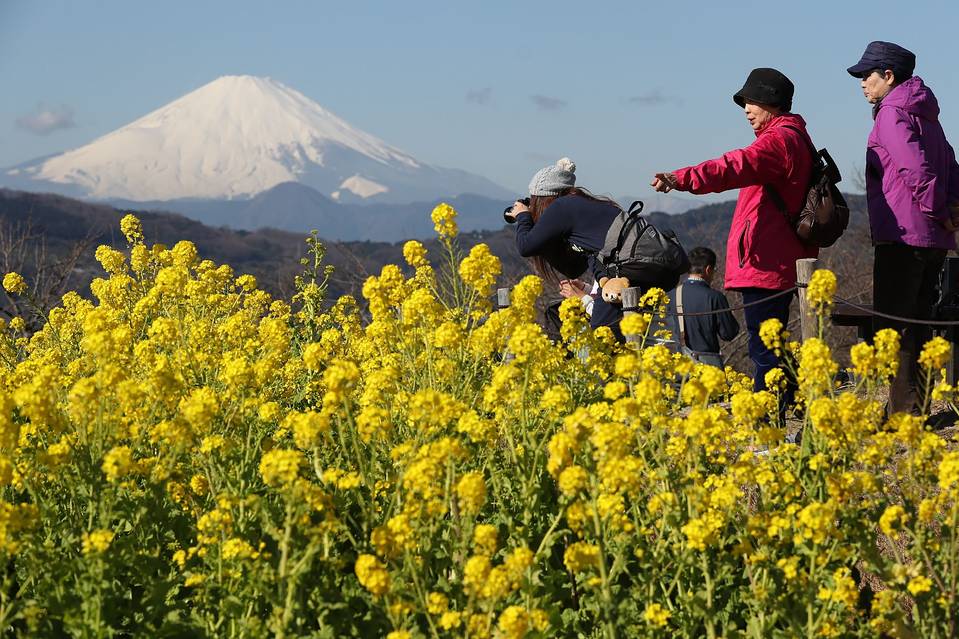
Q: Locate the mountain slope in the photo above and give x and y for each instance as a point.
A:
(234, 138)
(291, 206)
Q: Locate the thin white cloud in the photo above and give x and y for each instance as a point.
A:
(45, 120)
(479, 96)
(548, 103)
(653, 98)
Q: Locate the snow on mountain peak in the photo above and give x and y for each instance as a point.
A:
(233, 137)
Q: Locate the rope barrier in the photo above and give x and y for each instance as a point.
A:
(896, 318)
(859, 307)
(789, 291)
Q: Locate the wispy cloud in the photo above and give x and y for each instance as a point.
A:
(44, 120)
(537, 156)
(548, 103)
(653, 98)
(479, 96)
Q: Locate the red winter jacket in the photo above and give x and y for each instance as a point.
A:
(762, 247)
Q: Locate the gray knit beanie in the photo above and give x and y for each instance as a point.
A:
(554, 179)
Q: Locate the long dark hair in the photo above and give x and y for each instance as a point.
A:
(537, 206)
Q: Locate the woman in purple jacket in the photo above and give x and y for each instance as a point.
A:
(912, 193)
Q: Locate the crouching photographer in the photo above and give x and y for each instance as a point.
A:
(561, 228)
(565, 231)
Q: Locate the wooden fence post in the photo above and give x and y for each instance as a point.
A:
(807, 316)
(502, 298)
(631, 301)
(502, 302)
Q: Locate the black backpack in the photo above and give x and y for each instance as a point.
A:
(638, 251)
(825, 214)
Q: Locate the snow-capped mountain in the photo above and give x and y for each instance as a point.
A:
(234, 138)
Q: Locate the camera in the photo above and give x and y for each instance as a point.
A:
(509, 209)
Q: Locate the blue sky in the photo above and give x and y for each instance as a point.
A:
(497, 88)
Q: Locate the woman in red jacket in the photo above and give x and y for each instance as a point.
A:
(762, 247)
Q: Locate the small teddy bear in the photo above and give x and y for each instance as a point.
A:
(613, 289)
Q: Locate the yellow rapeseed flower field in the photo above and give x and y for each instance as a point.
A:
(183, 455)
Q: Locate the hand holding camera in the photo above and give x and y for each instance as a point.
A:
(519, 206)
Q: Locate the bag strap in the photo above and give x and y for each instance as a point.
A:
(771, 190)
(805, 136)
(631, 219)
(680, 317)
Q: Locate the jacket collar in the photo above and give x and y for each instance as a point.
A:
(785, 119)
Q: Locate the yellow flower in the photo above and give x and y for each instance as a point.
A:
(451, 620)
(789, 566)
(235, 548)
(437, 603)
(775, 380)
(112, 260)
(919, 585)
(471, 490)
(475, 573)
(444, 221)
(844, 591)
(634, 324)
(199, 408)
(514, 622)
(97, 541)
(772, 335)
(581, 556)
(572, 480)
(935, 353)
(821, 289)
(280, 468)
(132, 229)
(372, 574)
(415, 254)
(892, 520)
(118, 463)
(480, 269)
(817, 522)
(194, 580)
(655, 298)
(656, 616)
(556, 401)
(817, 369)
(14, 283)
(485, 538)
(199, 484)
(949, 470)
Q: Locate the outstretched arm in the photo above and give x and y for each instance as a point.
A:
(762, 162)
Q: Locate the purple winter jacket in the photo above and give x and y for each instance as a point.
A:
(911, 171)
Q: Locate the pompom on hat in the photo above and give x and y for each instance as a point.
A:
(554, 179)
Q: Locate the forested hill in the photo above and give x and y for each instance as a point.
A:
(63, 225)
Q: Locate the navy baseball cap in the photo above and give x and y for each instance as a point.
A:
(884, 55)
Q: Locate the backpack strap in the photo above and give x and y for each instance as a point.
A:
(680, 317)
(805, 136)
(771, 191)
(631, 218)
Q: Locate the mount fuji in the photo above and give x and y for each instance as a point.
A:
(234, 139)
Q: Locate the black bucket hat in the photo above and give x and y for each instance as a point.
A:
(766, 86)
(884, 55)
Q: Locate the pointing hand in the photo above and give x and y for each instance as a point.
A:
(664, 182)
